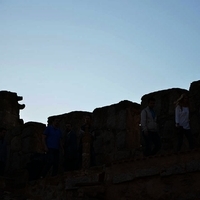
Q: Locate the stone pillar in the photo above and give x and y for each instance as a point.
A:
(9, 109)
(194, 95)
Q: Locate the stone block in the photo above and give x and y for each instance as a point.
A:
(123, 177)
(116, 129)
(16, 144)
(174, 169)
(193, 166)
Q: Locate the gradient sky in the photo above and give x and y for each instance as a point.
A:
(70, 55)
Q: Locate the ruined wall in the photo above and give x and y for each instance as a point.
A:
(22, 142)
(116, 129)
(9, 109)
(165, 110)
(25, 141)
(127, 174)
(172, 176)
(194, 94)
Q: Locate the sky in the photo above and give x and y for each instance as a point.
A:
(78, 55)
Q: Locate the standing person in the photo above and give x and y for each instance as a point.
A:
(3, 151)
(52, 145)
(182, 121)
(150, 129)
(87, 128)
(70, 149)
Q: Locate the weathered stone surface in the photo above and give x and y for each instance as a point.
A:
(23, 141)
(165, 110)
(9, 109)
(16, 144)
(147, 172)
(123, 177)
(193, 166)
(175, 169)
(116, 130)
(127, 174)
(32, 137)
(194, 92)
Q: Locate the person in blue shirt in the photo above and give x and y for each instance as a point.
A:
(70, 149)
(52, 144)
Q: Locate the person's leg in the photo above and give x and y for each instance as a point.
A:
(189, 137)
(180, 138)
(55, 162)
(148, 143)
(47, 164)
(156, 141)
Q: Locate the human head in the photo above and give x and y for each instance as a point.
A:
(68, 127)
(55, 122)
(151, 102)
(183, 99)
(87, 119)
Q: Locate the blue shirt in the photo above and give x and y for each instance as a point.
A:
(53, 137)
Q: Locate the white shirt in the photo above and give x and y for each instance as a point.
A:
(182, 117)
(148, 123)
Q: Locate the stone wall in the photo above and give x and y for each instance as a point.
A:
(171, 176)
(121, 172)
(165, 110)
(116, 130)
(9, 109)
(194, 92)
(22, 142)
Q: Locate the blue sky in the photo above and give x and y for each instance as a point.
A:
(64, 56)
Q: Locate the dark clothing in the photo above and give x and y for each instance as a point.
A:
(88, 128)
(3, 156)
(181, 132)
(152, 143)
(71, 152)
(150, 131)
(35, 166)
(53, 137)
(52, 159)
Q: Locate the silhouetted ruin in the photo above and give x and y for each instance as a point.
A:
(121, 171)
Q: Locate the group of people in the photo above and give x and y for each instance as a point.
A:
(150, 131)
(72, 147)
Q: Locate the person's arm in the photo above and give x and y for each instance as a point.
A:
(44, 143)
(62, 143)
(177, 117)
(62, 146)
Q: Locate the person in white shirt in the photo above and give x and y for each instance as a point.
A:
(182, 121)
(150, 129)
